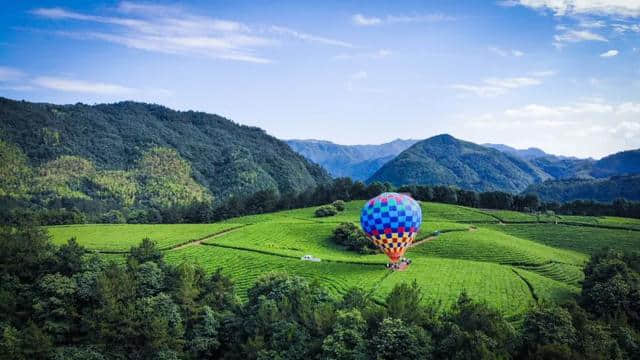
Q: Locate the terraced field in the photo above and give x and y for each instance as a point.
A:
(121, 237)
(584, 239)
(505, 258)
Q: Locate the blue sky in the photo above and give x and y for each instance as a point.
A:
(562, 75)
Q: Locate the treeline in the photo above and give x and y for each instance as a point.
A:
(78, 211)
(525, 202)
(60, 303)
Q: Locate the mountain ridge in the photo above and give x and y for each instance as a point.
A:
(355, 161)
(445, 160)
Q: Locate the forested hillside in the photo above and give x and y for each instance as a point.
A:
(605, 190)
(139, 155)
(446, 160)
(622, 163)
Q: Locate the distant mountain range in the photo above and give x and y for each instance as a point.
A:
(131, 155)
(445, 160)
(527, 154)
(358, 162)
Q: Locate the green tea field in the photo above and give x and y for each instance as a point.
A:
(509, 260)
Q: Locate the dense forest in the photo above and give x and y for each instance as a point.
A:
(627, 187)
(225, 158)
(62, 303)
(137, 158)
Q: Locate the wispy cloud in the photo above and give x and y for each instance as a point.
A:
(621, 28)
(382, 53)
(360, 75)
(364, 20)
(14, 79)
(361, 20)
(491, 87)
(624, 8)
(309, 38)
(505, 52)
(610, 53)
(172, 30)
(10, 74)
(575, 36)
(72, 85)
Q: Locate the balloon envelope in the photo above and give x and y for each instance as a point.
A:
(391, 221)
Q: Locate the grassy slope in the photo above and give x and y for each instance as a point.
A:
(121, 237)
(586, 240)
(508, 266)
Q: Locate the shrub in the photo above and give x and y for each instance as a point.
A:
(113, 217)
(339, 205)
(350, 235)
(326, 210)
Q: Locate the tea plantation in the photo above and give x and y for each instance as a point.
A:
(509, 260)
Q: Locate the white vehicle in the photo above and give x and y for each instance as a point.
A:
(310, 258)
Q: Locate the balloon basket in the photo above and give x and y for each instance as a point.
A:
(401, 265)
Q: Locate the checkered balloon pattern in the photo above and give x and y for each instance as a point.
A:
(391, 221)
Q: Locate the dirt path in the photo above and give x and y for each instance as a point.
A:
(199, 241)
(422, 241)
(429, 238)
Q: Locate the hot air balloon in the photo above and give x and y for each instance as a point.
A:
(391, 221)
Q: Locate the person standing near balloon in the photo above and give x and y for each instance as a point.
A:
(391, 221)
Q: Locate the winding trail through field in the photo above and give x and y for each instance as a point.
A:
(432, 237)
(212, 236)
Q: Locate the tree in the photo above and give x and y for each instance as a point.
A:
(395, 340)
(346, 341)
(339, 205)
(548, 325)
(611, 288)
(326, 210)
(349, 235)
(70, 257)
(146, 251)
(113, 217)
(403, 302)
(474, 330)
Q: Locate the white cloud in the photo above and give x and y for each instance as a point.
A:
(505, 53)
(624, 8)
(393, 19)
(492, 87)
(543, 73)
(172, 30)
(610, 53)
(575, 36)
(382, 53)
(71, 85)
(309, 37)
(624, 28)
(512, 83)
(541, 111)
(587, 128)
(628, 108)
(480, 90)
(362, 20)
(10, 74)
(592, 24)
(360, 75)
